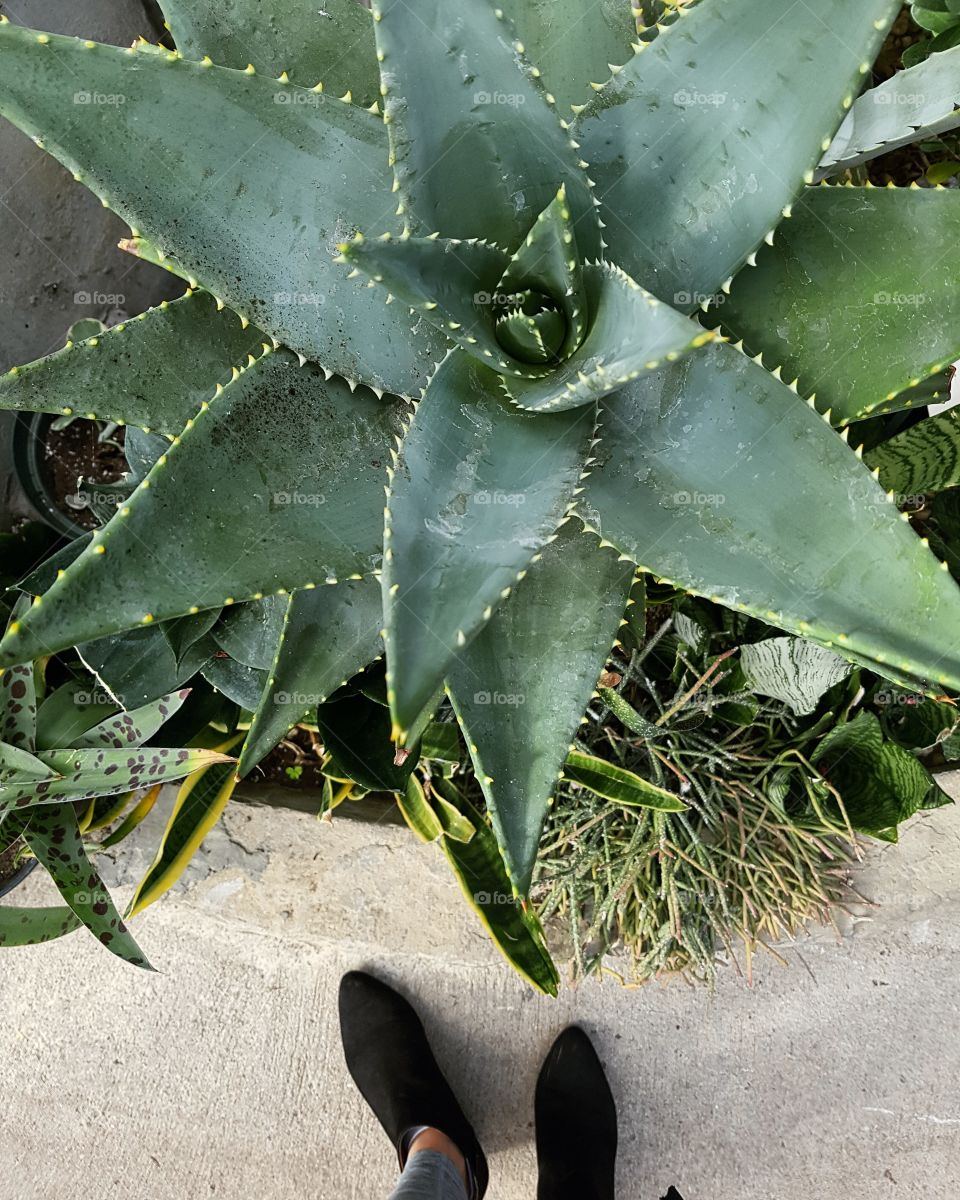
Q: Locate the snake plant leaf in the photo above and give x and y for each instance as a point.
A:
(328, 635)
(86, 774)
(136, 816)
(356, 734)
(199, 805)
(330, 43)
(132, 728)
(792, 670)
(924, 458)
(54, 838)
(477, 148)
(574, 44)
(880, 783)
(548, 262)
(418, 813)
(617, 784)
(453, 283)
(921, 102)
(18, 706)
(242, 684)
(250, 633)
(454, 824)
(206, 191)
(520, 687)
(478, 489)
(287, 511)
(34, 926)
(696, 150)
(153, 371)
(514, 927)
(632, 333)
(856, 298)
(715, 476)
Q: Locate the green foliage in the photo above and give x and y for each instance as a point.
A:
(524, 254)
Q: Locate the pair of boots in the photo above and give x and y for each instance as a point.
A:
(391, 1062)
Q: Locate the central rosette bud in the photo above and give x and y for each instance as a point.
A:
(531, 327)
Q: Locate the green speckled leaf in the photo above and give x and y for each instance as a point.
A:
(520, 687)
(132, 728)
(857, 296)
(54, 838)
(714, 475)
(87, 774)
(574, 43)
(299, 468)
(152, 371)
(924, 458)
(479, 151)
(20, 765)
(693, 147)
(18, 706)
(329, 634)
(330, 42)
(33, 926)
(479, 488)
(207, 190)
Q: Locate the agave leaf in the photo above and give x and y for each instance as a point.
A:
(153, 371)
(132, 728)
(18, 706)
(924, 458)
(299, 469)
(33, 926)
(199, 805)
(519, 689)
(548, 261)
(921, 102)
(792, 670)
(514, 927)
(574, 43)
(54, 837)
(250, 633)
(188, 635)
(693, 157)
(856, 297)
(879, 782)
(332, 43)
(478, 489)
(328, 635)
(477, 148)
(85, 774)
(356, 734)
(617, 784)
(631, 334)
(716, 477)
(206, 190)
(242, 684)
(138, 666)
(453, 283)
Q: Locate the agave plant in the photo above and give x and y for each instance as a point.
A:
(76, 747)
(496, 221)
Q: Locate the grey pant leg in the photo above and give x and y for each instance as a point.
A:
(429, 1175)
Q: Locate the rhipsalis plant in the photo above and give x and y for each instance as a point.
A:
(500, 223)
(75, 748)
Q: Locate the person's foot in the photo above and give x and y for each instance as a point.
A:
(576, 1123)
(391, 1062)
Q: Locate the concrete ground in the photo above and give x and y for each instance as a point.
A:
(222, 1074)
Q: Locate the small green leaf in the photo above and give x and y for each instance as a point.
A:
(132, 728)
(417, 811)
(794, 671)
(250, 633)
(610, 782)
(628, 716)
(33, 926)
(243, 685)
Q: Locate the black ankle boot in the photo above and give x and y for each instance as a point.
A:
(391, 1062)
(576, 1123)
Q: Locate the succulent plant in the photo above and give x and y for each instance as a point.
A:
(76, 746)
(523, 238)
